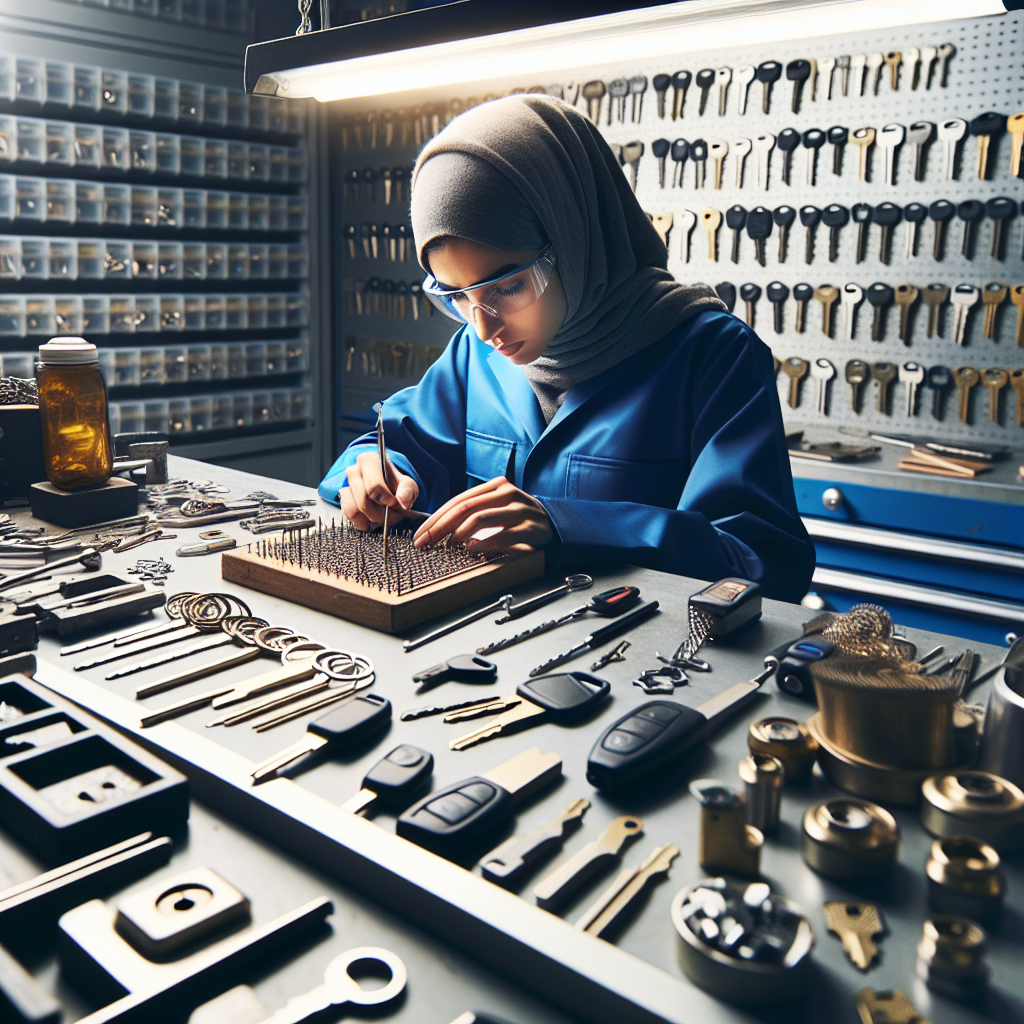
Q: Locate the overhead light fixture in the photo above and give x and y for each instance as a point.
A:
(473, 40)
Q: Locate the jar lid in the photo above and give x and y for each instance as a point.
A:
(68, 351)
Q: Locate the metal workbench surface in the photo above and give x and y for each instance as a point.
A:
(670, 815)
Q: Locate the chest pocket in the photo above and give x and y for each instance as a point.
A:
(487, 457)
(594, 478)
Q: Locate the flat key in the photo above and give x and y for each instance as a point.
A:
(663, 225)
(912, 58)
(1017, 298)
(883, 374)
(828, 296)
(787, 140)
(966, 378)
(795, 369)
(858, 67)
(759, 228)
(593, 93)
(704, 79)
(843, 66)
(826, 68)
(735, 221)
(857, 372)
(999, 211)
(699, 156)
(880, 296)
(950, 133)
(618, 90)
(940, 380)
(993, 295)
(994, 380)
(768, 73)
(861, 214)
(855, 924)
(727, 293)
(631, 154)
(740, 149)
(464, 668)
(813, 139)
(1017, 383)
(852, 297)
(680, 84)
(986, 127)
(886, 216)
(777, 294)
(890, 138)
(1015, 126)
(941, 212)
(911, 377)
(919, 137)
(750, 293)
(723, 76)
(835, 217)
(660, 149)
(742, 77)
(712, 221)
(894, 59)
(810, 218)
(946, 54)
(797, 72)
(637, 88)
(963, 297)
(934, 296)
(687, 222)
(783, 217)
(914, 215)
(763, 146)
(802, 294)
(680, 152)
(718, 150)
(875, 64)
(822, 371)
(929, 55)
(863, 139)
(838, 137)
(970, 212)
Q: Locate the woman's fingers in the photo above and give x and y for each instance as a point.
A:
(455, 511)
(369, 492)
(351, 511)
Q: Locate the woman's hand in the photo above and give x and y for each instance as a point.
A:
(368, 492)
(520, 522)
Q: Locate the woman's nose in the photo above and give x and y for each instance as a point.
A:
(486, 324)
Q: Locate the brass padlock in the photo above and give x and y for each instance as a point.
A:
(728, 845)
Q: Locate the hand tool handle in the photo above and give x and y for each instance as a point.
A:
(623, 625)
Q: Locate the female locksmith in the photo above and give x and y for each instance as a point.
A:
(590, 405)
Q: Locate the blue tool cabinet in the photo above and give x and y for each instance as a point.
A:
(939, 553)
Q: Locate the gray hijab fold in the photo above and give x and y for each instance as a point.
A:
(522, 171)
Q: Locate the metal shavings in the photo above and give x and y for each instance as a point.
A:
(866, 631)
(152, 571)
(18, 391)
(346, 553)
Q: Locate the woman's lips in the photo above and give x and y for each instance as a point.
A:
(509, 348)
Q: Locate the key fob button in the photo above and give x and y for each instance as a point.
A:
(643, 727)
(478, 792)
(660, 713)
(622, 742)
(452, 808)
(406, 756)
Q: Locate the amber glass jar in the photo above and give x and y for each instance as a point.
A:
(73, 413)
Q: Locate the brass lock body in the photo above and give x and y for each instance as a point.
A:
(951, 957)
(166, 919)
(964, 878)
(762, 776)
(973, 803)
(789, 741)
(728, 845)
(850, 840)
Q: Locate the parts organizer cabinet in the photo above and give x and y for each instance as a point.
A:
(638, 978)
(939, 553)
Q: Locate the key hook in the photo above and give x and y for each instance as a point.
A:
(340, 982)
(579, 581)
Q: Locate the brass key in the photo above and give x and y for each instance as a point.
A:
(934, 296)
(796, 369)
(1017, 298)
(855, 924)
(994, 379)
(992, 296)
(906, 296)
(863, 138)
(894, 59)
(718, 150)
(1015, 126)
(1017, 383)
(965, 378)
(884, 374)
(827, 295)
(712, 221)
(663, 225)
(857, 372)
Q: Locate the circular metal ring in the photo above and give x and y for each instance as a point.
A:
(243, 627)
(302, 651)
(244, 609)
(343, 665)
(173, 604)
(270, 638)
(205, 611)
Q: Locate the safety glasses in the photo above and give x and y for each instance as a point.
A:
(499, 297)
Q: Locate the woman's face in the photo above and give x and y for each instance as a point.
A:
(522, 336)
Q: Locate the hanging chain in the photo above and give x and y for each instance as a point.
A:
(305, 24)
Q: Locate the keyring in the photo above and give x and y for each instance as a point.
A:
(298, 651)
(343, 665)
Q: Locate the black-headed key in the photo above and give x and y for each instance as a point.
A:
(699, 156)
(802, 294)
(352, 722)
(810, 217)
(835, 217)
(880, 295)
(680, 151)
(787, 141)
(704, 80)
(861, 214)
(886, 216)
(661, 83)
(768, 73)
(394, 781)
(759, 228)
(750, 294)
(463, 668)
(999, 211)
(680, 83)
(987, 128)
(940, 380)
(562, 696)
(735, 221)
(798, 71)
(784, 216)
(727, 293)
(660, 148)
(777, 294)
(941, 211)
(813, 139)
(913, 215)
(970, 212)
(837, 137)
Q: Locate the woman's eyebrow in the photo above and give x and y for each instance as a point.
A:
(500, 272)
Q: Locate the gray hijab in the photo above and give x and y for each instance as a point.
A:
(519, 172)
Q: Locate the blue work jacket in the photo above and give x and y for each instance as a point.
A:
(673, 459)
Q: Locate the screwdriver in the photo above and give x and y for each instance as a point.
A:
(393, 780)
(609, 602)
(599, 636)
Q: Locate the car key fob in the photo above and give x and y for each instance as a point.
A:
(730, 604)
(793, 675)
(458, 815)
